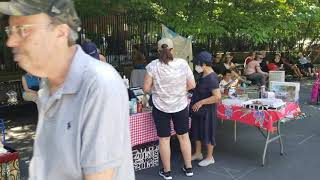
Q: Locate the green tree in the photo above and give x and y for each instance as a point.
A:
(225, 24)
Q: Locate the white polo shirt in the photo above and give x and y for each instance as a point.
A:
(83, 128)
(169, 90)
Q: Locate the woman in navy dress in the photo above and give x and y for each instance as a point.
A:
(206, 95)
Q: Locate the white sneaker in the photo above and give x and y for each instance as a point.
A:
(196, 157)
(206, 162)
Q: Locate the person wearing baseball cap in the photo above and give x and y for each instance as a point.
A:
(91, 49)
(203, 109)
(80, 114)
(168, 79)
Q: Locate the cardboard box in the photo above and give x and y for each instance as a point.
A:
(276, 76)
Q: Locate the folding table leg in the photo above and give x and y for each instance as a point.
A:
(280, 138)
(269, 140)
(265, 148)
(235, 131)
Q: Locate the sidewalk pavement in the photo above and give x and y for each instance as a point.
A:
(239, 160)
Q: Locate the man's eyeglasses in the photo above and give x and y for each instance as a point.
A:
(21, 30)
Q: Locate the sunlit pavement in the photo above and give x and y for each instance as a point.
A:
(234, 160)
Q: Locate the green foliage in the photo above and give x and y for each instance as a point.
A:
(276, 23)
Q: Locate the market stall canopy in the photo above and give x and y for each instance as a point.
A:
(182, 46)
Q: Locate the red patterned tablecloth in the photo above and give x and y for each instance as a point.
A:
(260, 118)
(143, 129)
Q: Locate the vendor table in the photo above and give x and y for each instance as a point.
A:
(264, 120)
(143, 131)
(142, 128)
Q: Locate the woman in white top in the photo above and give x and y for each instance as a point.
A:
(169, 79)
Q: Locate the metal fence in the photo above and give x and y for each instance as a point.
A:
(115, 35)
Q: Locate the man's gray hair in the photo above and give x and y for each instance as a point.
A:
(73, 35)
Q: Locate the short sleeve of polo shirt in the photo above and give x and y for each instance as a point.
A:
(105, 134)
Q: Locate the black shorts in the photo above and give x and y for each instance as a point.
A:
(162, 121)
(306, 66)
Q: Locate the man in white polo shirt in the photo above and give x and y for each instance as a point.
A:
(83, 129)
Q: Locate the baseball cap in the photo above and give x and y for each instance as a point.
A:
(204, 57)
(166, 41)
(63, 10)
(91, 49)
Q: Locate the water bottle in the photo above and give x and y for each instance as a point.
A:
(262, 91)
(133, 103)
(244, 85)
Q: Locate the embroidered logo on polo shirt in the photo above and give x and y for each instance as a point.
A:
(68, 125)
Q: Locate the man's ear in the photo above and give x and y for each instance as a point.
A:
(62, 31)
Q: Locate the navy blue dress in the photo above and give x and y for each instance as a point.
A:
(204, 128)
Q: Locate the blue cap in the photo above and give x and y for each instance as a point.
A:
(204, 57)
(91, 49)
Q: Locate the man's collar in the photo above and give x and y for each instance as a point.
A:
(74, 77)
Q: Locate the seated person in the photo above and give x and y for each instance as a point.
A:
(305, 65)
(227, 81)
(289, 65)
(254, 73)
(30, 86)
(139, 60)
(250, 58)
(217, 65)
(227, 61)
(276, 64)
(229, 65)
(263, 61)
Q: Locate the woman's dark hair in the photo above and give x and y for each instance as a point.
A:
(136, 46)
(165, 54)
(227, 71)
